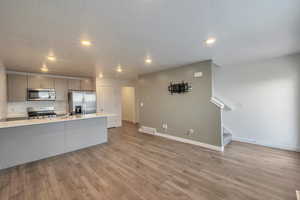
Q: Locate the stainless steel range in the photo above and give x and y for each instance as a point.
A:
(40, 112)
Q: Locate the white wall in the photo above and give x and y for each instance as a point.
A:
(115, 105)
(266, 97)
(128, 104)
(3, 99)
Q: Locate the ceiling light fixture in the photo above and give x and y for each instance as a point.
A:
(210, 41)
(86, 43)
(51, 58)
(44, 68)
(119, 68)
(148, 60)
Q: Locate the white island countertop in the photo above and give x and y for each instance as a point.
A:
(29, 122)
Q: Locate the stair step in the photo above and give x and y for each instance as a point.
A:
(227, 138)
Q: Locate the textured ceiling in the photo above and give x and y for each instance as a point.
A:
(124, 32)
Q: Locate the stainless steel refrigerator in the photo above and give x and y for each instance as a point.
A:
(82, 102)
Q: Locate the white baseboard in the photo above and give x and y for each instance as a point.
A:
(277, 146)
(246, 140)
(153, 131)
(188, 141)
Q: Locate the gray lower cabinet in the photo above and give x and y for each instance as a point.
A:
(61, 88)
(42, 82)
(83, 133)
(73, 84)
(88, 84)
(16, 88)
(25, 144)
(19, 145)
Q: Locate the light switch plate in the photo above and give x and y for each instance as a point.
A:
(198, 74)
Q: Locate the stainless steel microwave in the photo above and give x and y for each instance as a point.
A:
(41, 95)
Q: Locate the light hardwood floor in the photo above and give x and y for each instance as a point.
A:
(133, 166)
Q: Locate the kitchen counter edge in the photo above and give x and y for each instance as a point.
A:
(30, 122)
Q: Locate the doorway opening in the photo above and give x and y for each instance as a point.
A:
(128, 104)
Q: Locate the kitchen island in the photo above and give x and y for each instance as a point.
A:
(30, 140)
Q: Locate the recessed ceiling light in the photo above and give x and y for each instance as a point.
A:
(148, 60)
(210, 41)
(44, 68)
(86, 43)
(119, 68)
(51, 58)
(100, 75)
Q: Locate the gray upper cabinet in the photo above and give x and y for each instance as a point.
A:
(73, 84)
(87, 84)
(61, 88)
(41, 82)
(16, 87)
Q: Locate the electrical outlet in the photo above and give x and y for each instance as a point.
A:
(190, 132)
(165, 126)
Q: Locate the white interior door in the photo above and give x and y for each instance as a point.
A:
(109, 102)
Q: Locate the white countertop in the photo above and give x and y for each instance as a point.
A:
(29, 122)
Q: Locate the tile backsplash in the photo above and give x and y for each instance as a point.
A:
(19, 109)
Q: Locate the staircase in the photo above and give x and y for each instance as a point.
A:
(227, 136)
